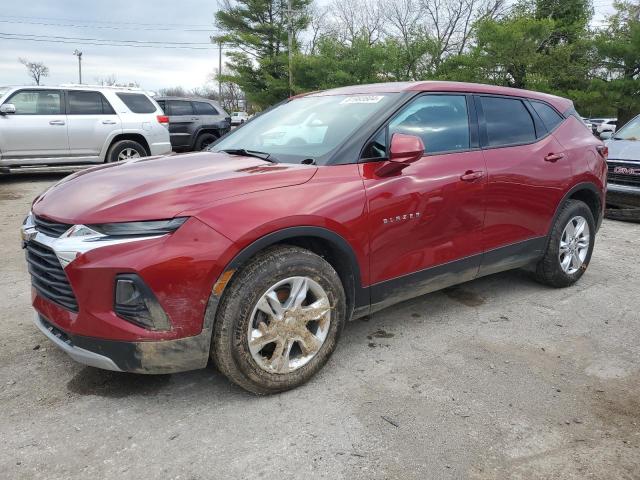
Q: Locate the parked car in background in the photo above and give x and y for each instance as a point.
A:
(238, 118)
(623, 182)
(595, 123)
(194, 123)
(73, 124)
(608, 126)
(587, 123)
(257, 252)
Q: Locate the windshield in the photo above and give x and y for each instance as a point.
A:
(631, 131)
(306, 128)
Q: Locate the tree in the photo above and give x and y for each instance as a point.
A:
(618, 72)
(257, 30)
(36, 70)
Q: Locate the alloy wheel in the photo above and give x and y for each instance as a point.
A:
(289, 324)
(127, 154)
(574, 245)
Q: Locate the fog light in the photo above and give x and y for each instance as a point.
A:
(136, 303)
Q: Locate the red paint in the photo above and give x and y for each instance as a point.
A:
(433, 210)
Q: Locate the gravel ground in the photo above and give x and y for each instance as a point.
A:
(497, 378)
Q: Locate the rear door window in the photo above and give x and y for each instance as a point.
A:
(37, 102)
(203, 108)
(508, 121)
(179, 107)
(88, 103)
(137, 102)
(549, 116)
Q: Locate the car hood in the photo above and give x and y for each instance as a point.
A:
(161, 187)
(624, 150)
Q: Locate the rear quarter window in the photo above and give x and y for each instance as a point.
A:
(549, 116)
(137, 102)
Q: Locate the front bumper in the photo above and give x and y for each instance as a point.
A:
(623, 195)
(153, 357)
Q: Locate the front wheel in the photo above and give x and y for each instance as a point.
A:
(279, 320)
(204, 140)
(570, 246)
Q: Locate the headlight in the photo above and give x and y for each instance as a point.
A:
(129, 229)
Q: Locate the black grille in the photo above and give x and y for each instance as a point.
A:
(621, 178)
(49, 228)
(48, 277)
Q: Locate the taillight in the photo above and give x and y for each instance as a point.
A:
(603, 150)
(163, 120)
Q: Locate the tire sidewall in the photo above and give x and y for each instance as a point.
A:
(253, 287)
(118, 147)
(201, 140)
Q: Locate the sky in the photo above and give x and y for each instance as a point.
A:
(183, 22)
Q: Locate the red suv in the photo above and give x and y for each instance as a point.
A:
(328, 207)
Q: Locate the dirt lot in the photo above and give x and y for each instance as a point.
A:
(498, 378)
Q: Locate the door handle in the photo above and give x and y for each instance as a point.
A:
(195, 118)
(471, 176)
(553, 157)
(108, 122)
(56, 122)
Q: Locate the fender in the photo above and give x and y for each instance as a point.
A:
(580, 186)
(361, 298)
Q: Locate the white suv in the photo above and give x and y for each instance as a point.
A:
(78, 124)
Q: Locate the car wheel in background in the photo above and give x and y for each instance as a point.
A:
(569, 247)
(125, 150)
(279, 320)
(204, 140)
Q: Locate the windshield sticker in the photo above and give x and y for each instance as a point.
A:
(362, 99)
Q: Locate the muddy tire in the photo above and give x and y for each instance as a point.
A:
(570, 246)
(279, 320)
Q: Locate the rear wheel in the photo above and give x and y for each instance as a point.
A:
(204, 140)
(570, 246)
(125, 150)
(279, 320)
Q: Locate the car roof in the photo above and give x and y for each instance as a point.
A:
(562, 104)
(187, 99)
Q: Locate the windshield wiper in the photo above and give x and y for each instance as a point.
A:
(250, 153)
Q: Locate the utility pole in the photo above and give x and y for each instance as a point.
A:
(219, 71)
(78, 54)
(290, 44)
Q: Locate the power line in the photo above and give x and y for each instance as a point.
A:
(105, 44)
(108, 27)
(82, 39)
(104, 21)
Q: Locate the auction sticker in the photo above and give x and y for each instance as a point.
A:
(362, 99)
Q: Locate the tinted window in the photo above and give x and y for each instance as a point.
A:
(508, 121)
(440, 120)
(37, 102)
(162, 104)
(549, 116)
(203, 108)
(179, 107)
(88, 103)
(137, 102)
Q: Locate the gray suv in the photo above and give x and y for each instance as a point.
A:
(78, 124)
(194, 123)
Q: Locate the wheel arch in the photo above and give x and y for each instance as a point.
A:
(134, 137)
(323, 242)
(587, 192)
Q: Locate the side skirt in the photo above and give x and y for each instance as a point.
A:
(413, 285)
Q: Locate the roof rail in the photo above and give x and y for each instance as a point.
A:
(113, 87)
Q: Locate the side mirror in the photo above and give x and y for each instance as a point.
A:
(403, 151)
(7, 108)
(606, 135)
